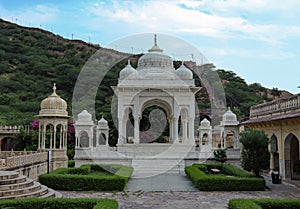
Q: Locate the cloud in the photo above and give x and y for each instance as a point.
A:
(37, 15)
(259, 53)
(224, 21)
(256, 6)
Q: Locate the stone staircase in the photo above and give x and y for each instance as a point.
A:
(156, 158)
(14, 185)
(149, 167)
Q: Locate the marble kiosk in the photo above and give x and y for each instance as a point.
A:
(153, 83)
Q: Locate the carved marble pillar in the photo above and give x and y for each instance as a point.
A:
(136, 139)
(120, 139)
(175, 130)
(191, 139)
(184, 131)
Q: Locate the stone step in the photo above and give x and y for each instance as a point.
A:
(8, 175)
(155, 164)
(155, 150)
(16, 180)
(155, 161)
(33, 188)
(41, 192)
(152, 167)
(150, 173)
(13, 185)
(27, 183)
(51, 193)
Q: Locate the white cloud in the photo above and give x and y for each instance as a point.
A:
(256, 6)
(259, 53)
(37, 15)
(171, 16)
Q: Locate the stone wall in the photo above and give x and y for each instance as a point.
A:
(32, 163)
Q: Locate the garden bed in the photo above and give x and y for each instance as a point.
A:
(61, 203)
(88, 178)
(230, 178)
(264, 203)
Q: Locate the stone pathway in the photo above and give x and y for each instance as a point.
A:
(183, 199)
(161, 183)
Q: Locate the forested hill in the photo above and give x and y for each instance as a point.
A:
(32, 59)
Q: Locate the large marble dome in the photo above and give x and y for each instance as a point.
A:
(155, 59)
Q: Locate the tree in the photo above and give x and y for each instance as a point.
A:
(255, 153)
(220, 155)
(25, 140)
(276, 92)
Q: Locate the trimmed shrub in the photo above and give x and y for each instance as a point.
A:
(264, 203)
(61, 203)
(82, 179)
(71, 163)
(243, 204)
(232, 179)
(278, 203)
(79, 171)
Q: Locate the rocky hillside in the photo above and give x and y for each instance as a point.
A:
(32, 59)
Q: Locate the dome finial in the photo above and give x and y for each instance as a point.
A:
(54, 88)
(128, 62)
(155, 39)
(54, 91)
(155, 48)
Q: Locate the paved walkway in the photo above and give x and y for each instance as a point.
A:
(142, 198)
(161, 183)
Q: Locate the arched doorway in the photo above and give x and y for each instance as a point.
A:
(102, 139)
(229, 139)
(204, 139)
(274, 161)
(154, 125)
(291, 155)
(6, 144)
(129, 130)
(84, 139)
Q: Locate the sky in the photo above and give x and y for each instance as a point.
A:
(259, 40)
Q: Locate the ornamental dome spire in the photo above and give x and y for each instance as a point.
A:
(53, 105)
(155, 47)
(229, 118)
(184, 73)
(126, 71)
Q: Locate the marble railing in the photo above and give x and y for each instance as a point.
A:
(275, 107)
(16, 159)
(10, 129)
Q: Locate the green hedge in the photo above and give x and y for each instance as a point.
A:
(243, 204)
(234, 179)
(264, 203)
(61, 203)
(81, 179)
(279, 203)
(71, 163)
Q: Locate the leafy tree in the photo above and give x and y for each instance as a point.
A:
(276, 92)
(220, 155)
(25, 140)
(255, 153)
